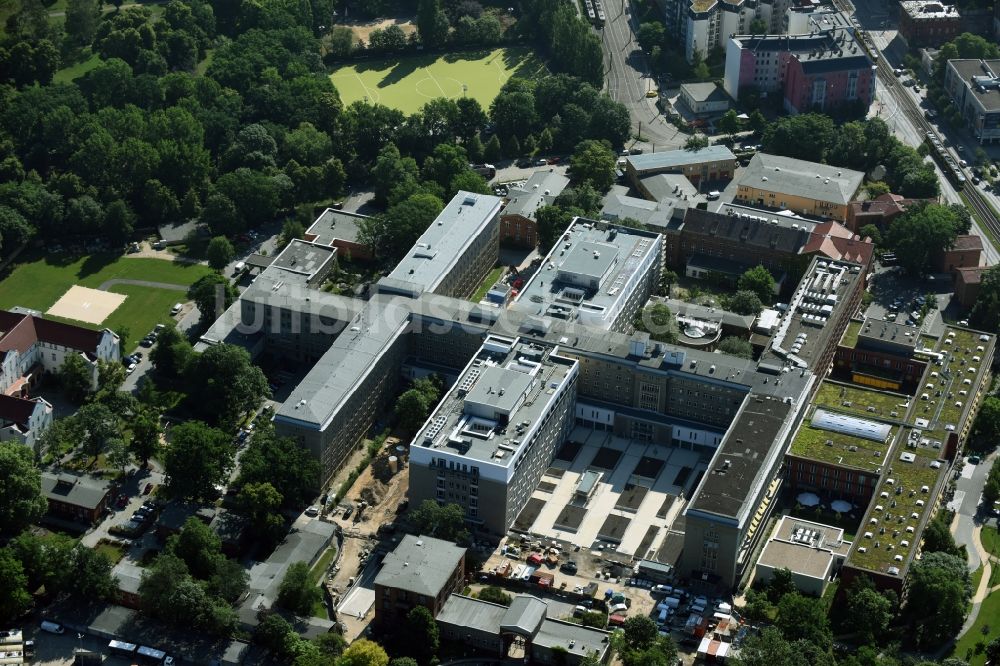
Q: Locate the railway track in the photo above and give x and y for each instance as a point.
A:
(884, 71)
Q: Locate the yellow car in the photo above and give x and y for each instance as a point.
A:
(652, 93)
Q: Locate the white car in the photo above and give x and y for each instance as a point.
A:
(312, 511)
(130, 369)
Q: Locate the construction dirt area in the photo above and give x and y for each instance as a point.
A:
(363, 29)
(374, 500)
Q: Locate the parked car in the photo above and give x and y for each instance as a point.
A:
(131, 368)
(312, 511)
(177, 308)
(568, 567)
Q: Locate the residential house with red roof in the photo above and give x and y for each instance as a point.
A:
(31, 346)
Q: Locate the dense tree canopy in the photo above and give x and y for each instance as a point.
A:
(198, 459)
(921, 232)
(21, 501)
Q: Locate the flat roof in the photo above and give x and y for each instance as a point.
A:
(806, 326)
(878, 331)
(509, 386)
(335, 225)
(656, 214)
(671, 159)
(303, 544)
(810, 180)
(799, 559)
(674, 188)
(743, 460)
(444, 242)
(929, 9)
(316, 399)
(589, 272)
(814, 442)
(422, 565)
(989, 97)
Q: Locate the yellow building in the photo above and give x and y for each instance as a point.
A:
(808, 188)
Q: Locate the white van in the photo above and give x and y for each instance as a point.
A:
(618, 608)
(51, 627)
(177, 308)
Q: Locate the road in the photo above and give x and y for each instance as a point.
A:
(627, 78)
(901, 108)
(965, 504)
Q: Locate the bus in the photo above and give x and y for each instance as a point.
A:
(122, 648)
(154, 656)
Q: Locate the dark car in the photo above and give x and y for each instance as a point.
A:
(568, 567)
(523, 163)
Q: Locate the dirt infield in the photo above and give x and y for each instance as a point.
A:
(88, 305)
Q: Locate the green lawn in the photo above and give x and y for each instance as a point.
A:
(317, 573)
(409, 83)
(39, 283)
(72, 72)
(113, 553)
(988, 614)
(490, 280)
(991, 540)
(851, 334)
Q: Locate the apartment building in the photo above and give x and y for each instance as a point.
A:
(816, 71)
(928, 23)
(420, 571)
(493, 435)
(518, 226)
(975, 88)
(811, 189)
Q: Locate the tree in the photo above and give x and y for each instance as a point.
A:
(766, 648)
(985, 313)
(551, 221)
(758, 27)
(919, 233)
(993, 651)
(403, 661)
(937, 535)
(745, 302)
(781, 584)
(261, 503)
(145, 442)
(492, 151)
(82, 17)
(110, 376)
(414, 405)
(593, 162)
(729, 123)
(364, 653)
(441, 521)
(291, 230)
(696, 142)
(172, 353)
(281, 463)
(212, 294)
(939, 588)
(494, 595)
(98, 426)
(759, 281)
(757, 122)
(658, 321)
(432, 23)
(219, 253)
(420, 634)
(873, 232)
(21, 501)
(446, 162)
(987, 424)
(805, 618)
(198, 459)
(298, 592)
(640, 632)
(757, 607)
(735, 346)
(876, 188)
(805, 136)
(868, 611)
(221, 216)
(76, 376)
(16, 599)
(225, 384)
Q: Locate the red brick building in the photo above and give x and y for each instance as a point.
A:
(928, 23)
(422, 571)
(965, 253)
(880, 211)
(880, 354)
(967, 282)
(829, 480)
(517, 219)
(76, 497)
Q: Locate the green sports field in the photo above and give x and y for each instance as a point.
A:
(409, 83)
(38, 283)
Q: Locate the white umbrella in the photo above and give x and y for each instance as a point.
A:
(808, 499)
(840, 506)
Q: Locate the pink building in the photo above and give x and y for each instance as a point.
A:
(819, 71)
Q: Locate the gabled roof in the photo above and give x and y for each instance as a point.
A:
(16, 410)
(968, 242)
(820, 182)
(21, 331)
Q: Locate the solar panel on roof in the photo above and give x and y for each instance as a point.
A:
(851, 425)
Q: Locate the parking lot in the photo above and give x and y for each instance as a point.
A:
(902, 299)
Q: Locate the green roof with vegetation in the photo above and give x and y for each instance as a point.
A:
(840, 449)
(890, 536)
(851, 334)
(857, 400)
